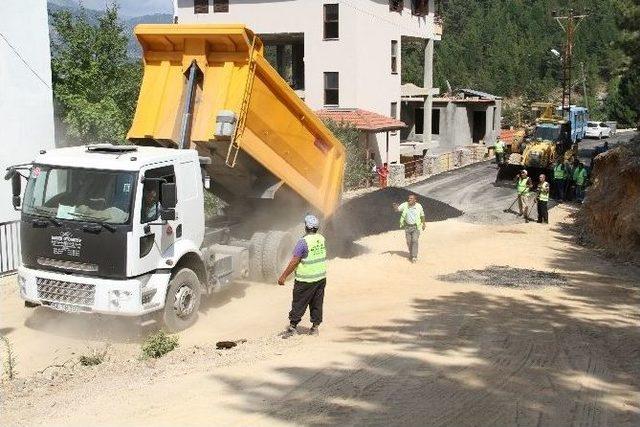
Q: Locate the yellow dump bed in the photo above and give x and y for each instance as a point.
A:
(277, 142)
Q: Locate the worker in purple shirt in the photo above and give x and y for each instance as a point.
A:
(309, 261)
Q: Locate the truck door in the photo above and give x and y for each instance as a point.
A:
(154, 237)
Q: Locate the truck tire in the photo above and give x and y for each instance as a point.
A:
(183, 300)
(255, 256)
(277, 253)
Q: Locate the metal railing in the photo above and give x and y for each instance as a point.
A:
(9, 247)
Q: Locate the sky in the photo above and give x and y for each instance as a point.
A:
(127, 7)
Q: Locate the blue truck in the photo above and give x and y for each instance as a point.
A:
(577, 118)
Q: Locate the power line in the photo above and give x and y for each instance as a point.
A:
(24, 61)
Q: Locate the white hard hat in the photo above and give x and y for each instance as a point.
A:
(524, 171)
(311, 221)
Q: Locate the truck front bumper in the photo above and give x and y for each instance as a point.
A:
(84, 294)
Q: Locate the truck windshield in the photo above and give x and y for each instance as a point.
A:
(79, 194)
(549, 133)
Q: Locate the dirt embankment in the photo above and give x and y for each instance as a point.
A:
(612, 208)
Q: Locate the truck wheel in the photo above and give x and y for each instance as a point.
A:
(277, 253)
(183, 300)
(255, 255)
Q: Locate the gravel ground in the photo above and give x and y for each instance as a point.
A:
(113, 375)
(506, 276)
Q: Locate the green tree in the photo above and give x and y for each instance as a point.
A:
(504, 46)
(356, 169)
(95, 83)
(629, 88)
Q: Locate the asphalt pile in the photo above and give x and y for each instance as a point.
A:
(508, 277)
(373, 213)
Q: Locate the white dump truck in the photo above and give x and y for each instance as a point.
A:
(120, 229)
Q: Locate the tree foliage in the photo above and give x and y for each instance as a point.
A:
(95, 83)
(504, 47)
(623, 101)
(356, 170)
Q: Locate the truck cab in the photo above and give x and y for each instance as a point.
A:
(105, 228)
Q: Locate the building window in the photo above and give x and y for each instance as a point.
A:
(331, 89)
(220, 6)
(394, 56)
(396, 5)
(435, 121)
(201, 6)
(331, 21)
(420, 7)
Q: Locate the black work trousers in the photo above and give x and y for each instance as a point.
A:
(307, 295)
(543, 211)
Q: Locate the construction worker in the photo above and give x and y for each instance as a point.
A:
(309, 263)
(523, 185)
(499, 150)
(560, 180)
(383, 175)
(580, 180)
(412, 219)
(543, 200)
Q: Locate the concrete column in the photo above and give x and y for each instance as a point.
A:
(428, 85)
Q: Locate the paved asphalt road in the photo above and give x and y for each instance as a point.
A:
(474, 189)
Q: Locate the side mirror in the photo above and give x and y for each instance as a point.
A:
(16, 184)
(168, 196)
(16, 189)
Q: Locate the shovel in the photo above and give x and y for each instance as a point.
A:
(511, 206)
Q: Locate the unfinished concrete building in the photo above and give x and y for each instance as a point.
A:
(465, 118)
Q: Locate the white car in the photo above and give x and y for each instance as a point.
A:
(598, 130)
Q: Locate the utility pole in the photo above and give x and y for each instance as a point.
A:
(569, 23)
(584, 86)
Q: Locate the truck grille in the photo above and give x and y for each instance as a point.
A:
(66, 292)
(67, 265)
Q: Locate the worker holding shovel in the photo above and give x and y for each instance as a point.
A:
(523, 186)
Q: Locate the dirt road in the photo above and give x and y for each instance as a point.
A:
(435, 342)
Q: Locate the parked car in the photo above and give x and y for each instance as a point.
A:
(598, 130)
(613, 126)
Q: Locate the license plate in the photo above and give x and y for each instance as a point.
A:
(67, 308)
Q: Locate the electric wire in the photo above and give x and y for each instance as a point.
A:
(24, 61)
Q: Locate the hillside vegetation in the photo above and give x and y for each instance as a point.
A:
(504, 47)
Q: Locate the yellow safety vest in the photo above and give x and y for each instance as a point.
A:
(499, 147)
(314, 266)
(521, 187)
(580, 176)
(558, 172)
(543, 192)
(405, 211)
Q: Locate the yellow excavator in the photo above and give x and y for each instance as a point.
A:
(550, 138)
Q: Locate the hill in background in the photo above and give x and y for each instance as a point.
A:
(128, 22)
